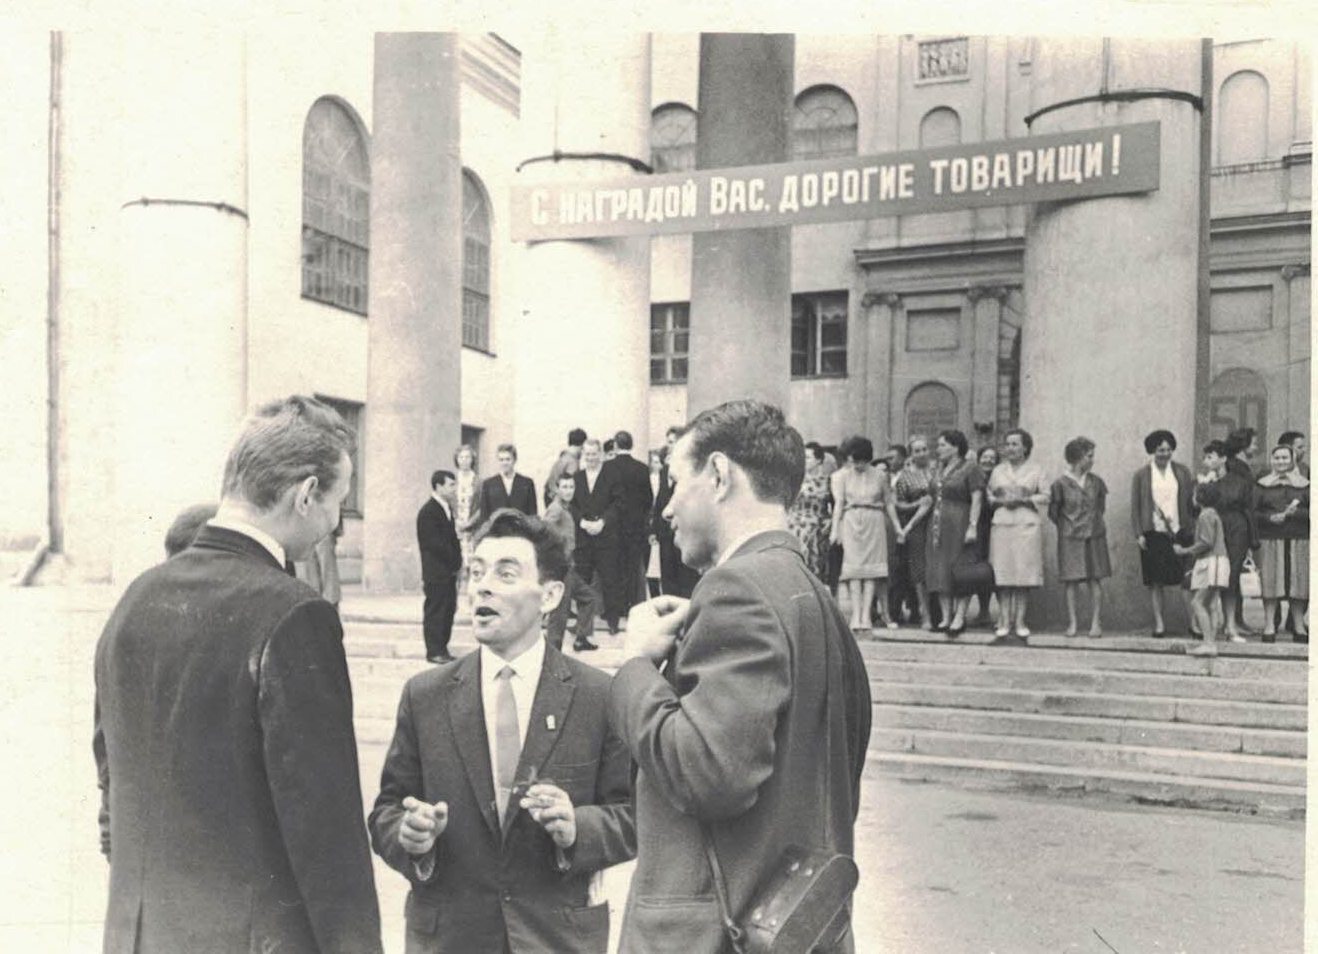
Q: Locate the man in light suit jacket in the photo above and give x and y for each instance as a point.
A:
(225, 744)
(757, 729)
(441, 561)
(505, 790)
(635, 498)
(508, 488)
(597, 505)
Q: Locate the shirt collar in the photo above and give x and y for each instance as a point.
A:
(527, 665)
(442, 502)
(256, 533)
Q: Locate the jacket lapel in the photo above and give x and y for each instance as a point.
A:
(553, 699)
(467, 723)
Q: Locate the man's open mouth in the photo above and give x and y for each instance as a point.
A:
(484, 612)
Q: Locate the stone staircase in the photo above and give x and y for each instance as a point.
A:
(1128, 716)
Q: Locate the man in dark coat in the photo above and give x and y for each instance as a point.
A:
(597, 505)
(756, 731)
(226, 750)
(635, 498)
(508, 488)
(505, 789)
(441, 561)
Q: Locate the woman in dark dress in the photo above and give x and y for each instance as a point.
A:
(913, 499)
(958, 495)
(988, 459)
(1236, 507)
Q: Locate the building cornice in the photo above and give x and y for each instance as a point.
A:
(493, 68)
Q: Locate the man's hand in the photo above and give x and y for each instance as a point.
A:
(593, 527)
(552, 810)
(653, 626)
(422, 824)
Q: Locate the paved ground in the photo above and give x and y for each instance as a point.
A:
(943, 869)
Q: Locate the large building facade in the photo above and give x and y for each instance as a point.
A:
(899, 325)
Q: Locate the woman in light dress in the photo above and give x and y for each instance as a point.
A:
(1019, 495)
(467, 515)
(863, 496)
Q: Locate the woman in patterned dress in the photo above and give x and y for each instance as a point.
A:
(913, 500)
(1283, 528)
(808, 518)
(958, 489)
(863, 494)
(466, 517)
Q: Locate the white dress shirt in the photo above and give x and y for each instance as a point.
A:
(1164, 487)
(508, 483)
(525, 679)
(256, 533)
(591, 475)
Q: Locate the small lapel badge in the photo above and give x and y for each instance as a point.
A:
(551, 723)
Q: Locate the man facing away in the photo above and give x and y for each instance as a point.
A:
(441, 562)
(634, 502)
(505, 790)
(562, 519)
(508, 488)
(227, 754)
(756, 731)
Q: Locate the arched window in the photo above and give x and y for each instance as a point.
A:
(673, 138)
(930, 408)
(475, 264)
(940, 127)
(824, 124)
(1242, 119)
(1238, 397)
(336, 206)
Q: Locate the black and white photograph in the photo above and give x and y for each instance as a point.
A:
(725, 479)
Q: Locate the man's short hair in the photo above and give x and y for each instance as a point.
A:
(609, 445)
(1290, 437)
(576, 437)
(283, 443)
(510, 448)
(184, 529)
(551, 556)
(439, 476)
(755, 436)
(623, 440)
(591, 442)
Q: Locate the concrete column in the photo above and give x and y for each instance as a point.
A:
(879, 310)
(181, 377)
(582, 353)
(413, 373)
(986, 302)
(741, 280)
(1298, 366)
(1109, 351)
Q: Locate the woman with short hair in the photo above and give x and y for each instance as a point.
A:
(1019, 493)
(863, 495)
(913, 500)
(1162, 515)
(958, 491)
(808, 517)
(1076, 504)
(1236, 508)
(1283, 529)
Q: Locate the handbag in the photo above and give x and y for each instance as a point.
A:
(1251, 587)
(971, 572)
(799, 902)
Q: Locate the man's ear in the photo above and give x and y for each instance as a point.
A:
(720, 469)
(552, 596)
(304, 493)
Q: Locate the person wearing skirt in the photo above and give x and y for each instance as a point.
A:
(863, 496)
(1018, 493)
(1211, 574)
(913, 500)
(958, 492)
(1282, 517)
(1077, 502)
(1161, 515)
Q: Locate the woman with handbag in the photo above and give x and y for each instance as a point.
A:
(958, 492)
(1077, 503)
(1236, 508)
(1282, 516)
(1018, 492)
(1162, 516)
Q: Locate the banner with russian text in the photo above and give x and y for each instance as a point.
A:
(1087, 163)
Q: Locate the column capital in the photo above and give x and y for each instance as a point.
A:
(997, 292)
(891, 299)
(1293, 271)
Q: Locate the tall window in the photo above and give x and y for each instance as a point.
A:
(824, 124)
(819, 335)
(1242, 119)
(352, 414)
(930, 408)
(673, 138)
(475, 264)
(670, 340)
(336, 206)
(940, 127)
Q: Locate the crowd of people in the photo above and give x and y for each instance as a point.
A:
(915, 534)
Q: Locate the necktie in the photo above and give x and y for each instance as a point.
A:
(507, 740)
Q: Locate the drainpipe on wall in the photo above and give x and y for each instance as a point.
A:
(54, 516)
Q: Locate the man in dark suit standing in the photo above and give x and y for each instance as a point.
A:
(597, 506)
(226, 749)
(508, 488)
(755, 734)
(635, 498)
(441, 561)
(675, 577)
(504, 790)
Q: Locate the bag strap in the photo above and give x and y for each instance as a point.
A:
(735, 934)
